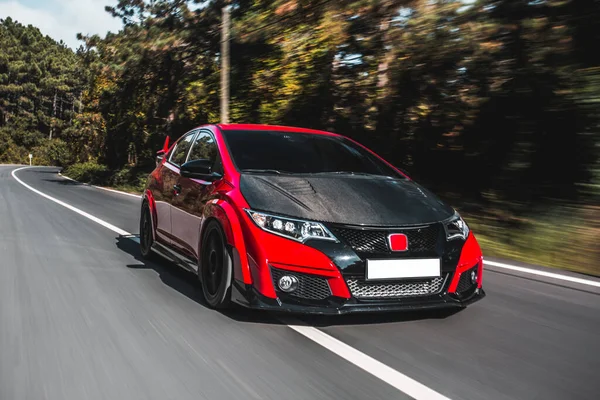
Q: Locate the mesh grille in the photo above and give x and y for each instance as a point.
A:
(423, 239)
(309, 287)
(464, 283)
(364, 241)
(375, 241)
(362, 289)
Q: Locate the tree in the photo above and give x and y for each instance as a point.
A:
(40, 85)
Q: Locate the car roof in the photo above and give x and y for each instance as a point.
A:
(279, 128)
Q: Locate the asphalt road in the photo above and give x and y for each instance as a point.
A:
(82, 316)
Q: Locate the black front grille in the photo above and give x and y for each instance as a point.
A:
(310, 287)
(375, 241)
(362, 289)
(363, 241)
(464, 283)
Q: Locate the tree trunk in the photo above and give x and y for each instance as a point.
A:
(53, 115)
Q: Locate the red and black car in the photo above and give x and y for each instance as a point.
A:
(291, 219)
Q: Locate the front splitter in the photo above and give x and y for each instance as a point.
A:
(247, 296)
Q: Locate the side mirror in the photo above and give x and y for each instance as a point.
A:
(199, 169)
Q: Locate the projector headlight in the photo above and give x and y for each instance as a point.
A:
(290, 228)
(456, 228)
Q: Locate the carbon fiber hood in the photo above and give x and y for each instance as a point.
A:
(347, 199)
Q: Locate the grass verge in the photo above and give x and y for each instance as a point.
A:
(566, 238)
(128, 179)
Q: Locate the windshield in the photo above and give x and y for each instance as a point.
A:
(301, 153)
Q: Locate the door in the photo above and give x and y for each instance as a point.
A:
(188, 206)
(168, 189)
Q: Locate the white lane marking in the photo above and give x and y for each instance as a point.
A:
(389, 375)
(543, 273)
(70, 207)
(102, 188)
(66, 177)
(394, 378)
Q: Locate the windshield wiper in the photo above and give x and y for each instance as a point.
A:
(262, 171)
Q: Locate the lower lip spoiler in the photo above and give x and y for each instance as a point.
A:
(247, 296)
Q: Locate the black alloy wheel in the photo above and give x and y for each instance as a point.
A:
(146, 238)
(215, 269)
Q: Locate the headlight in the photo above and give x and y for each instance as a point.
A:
(293, 229)
(456, 228)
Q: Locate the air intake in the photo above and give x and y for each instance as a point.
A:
(309, 287)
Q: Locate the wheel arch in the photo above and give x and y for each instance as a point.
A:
(224, 214)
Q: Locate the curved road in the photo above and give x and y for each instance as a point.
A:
(82, 316)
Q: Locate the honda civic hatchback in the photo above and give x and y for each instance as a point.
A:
(298, 220)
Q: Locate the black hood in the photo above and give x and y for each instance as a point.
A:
(344, 199)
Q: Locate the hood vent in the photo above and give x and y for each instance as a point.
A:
(299, 187)
(414, 191)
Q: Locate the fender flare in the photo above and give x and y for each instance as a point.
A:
(225, 214)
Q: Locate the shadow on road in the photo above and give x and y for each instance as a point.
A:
(170, 274)
(187, 284)
(65, 182)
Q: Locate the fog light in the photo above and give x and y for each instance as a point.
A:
(288, 283)
(473, 277)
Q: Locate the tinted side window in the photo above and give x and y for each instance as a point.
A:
(204, 148)
(180, 152)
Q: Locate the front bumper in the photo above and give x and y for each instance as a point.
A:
(247, 296)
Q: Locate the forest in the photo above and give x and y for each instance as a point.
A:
(493, 104)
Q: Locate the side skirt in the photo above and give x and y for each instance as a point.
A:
(175, 257)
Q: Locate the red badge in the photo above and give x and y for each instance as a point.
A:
(398, 242)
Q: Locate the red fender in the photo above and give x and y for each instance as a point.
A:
(224, 213)
(469, 257)
(266, 249)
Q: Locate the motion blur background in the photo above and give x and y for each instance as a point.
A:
(494, 105)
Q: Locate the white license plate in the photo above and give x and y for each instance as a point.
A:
(398, 269)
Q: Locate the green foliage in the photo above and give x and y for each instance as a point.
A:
(565, 237)
(52, 152)
(88, 172)
(11, 153)
(41, 82)
(129, 179)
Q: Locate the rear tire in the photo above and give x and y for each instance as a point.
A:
(146, 232)
(216, 267)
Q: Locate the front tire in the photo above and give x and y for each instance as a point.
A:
(216, 267)
(146, 234)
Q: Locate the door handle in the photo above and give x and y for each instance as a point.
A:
(176, 189)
